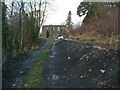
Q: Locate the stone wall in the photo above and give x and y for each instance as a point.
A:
(53, 31)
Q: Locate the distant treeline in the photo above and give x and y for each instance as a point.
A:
(100, 23)
(20, 26)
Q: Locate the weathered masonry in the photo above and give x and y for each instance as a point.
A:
(53, 31)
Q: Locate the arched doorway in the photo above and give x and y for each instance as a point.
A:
(47, 34)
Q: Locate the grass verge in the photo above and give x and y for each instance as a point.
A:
(97, 40)
(34, 77)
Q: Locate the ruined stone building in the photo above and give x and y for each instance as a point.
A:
(53, 31)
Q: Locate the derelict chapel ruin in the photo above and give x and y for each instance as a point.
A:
(53, 31)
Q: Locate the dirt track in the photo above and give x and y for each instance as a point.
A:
(14, 71)
(80, 65)
(70, 64)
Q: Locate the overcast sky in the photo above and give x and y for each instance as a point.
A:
(62, 7)
(60, 11)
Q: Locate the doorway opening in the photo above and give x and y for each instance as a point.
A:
(47, 34)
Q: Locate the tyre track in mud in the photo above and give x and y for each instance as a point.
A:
(14, 72)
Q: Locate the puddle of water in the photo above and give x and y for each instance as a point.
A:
(14, 85)
(51, 56)
(53, 47)
(53, 53)
(18, 79)
(55, 77)
(18, 82)
(51, 66)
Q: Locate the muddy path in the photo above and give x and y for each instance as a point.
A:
(80, 65)
(14, 72)
(70, 64)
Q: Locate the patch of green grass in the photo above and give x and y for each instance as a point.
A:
(34, 77)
